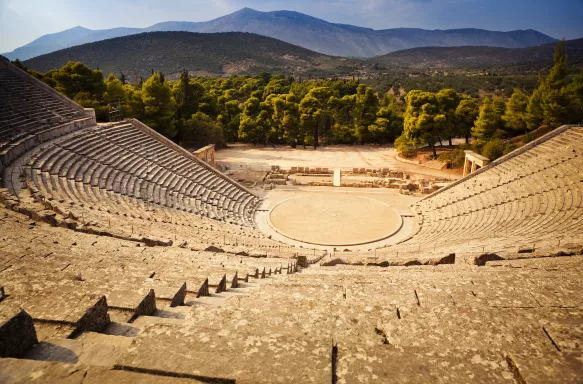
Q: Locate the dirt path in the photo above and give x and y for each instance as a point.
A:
(340, 156)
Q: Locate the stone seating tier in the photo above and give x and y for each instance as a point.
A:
(101, 157)
(32, 114)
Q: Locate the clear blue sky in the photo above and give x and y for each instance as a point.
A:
(22, 21)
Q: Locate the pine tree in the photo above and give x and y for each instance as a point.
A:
(313, 108)
(575, 91)
(255, 122)
(551, 103)
(389, 122)
(423, 123)
(366, 108)
(114, 90)
(448, 100)
(499, 107)
(487, 122)
(466, 114)
(515, 117)
(159, 106)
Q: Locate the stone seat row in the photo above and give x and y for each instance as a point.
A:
(508, 219)
(447, 317)
(106, 211)
(59, 288)
(27, 109)
(126, 173)
(527, 197)
(542, 157)
(60, 188)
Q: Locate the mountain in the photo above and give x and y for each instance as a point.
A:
(479, 57)
(200, 53)
(302, 30)
(65, 39)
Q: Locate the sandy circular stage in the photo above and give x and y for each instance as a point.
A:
(334, 219)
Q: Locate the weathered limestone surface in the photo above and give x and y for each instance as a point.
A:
(387, 364)
(395, 321)
(17, 333)
(553, 367)
(214, 353)
(26, 371)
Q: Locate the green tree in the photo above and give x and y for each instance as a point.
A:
(201, 130)
(229, 113)
(366, 107)
(466, 114)
(499, 107)
(313, 108)
(575, 91)
(388, 124)
(74, 77)
(516, 115)
(159, 106)
(487, 123)
(277, 85)
(422, 120)
(134, 106)
(188, 95)
(123, 78)
(551, 104)
(494, 149)
(343, 117)
(287, 114)
(255, 122)
(448, 101)
(114, 90)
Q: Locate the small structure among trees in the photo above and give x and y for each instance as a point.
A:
(473, 162)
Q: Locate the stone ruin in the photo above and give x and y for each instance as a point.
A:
(123, 258)
(379, 178)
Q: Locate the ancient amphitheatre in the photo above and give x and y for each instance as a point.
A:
(125, 258)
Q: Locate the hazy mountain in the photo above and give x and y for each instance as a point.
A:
(479, 57)
(200, 53)
(302, 30)
(68, 38)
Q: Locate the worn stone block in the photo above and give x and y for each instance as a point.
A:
(17, 333)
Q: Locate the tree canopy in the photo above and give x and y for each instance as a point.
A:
(267, 108)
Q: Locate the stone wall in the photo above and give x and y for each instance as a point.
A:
(206, 154)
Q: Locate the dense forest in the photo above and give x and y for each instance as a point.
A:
(267, 109)
(475, 84)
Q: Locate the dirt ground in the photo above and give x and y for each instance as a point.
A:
(351, 223)
(335, 219)
(240, 156)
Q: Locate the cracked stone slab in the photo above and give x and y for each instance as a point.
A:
(255, 357)
(389, 364)
(550, 368)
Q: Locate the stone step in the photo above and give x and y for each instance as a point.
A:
(89, 348)
(25, 371)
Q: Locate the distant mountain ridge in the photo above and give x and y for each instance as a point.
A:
(202, 54)
(537, 57)
(237, 53)
(302, 30)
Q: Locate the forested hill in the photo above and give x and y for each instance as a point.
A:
(479, 57)
(199, 53)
